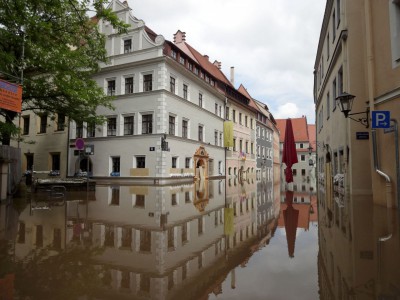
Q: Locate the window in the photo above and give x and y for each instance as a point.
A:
(115, 164)
(112, 126)
(234, 144)
(303, 172)
(245, 121)
(91, 130)
(127, 45)
(174, 162)
(340, 81)
(147, 82)
(128, 85)
(240, 118)
(79, 129)
(185, 91)
(327, 47)
(26, 120)
(128, 125)
(227, 113)
(111, 87)
(173, 54)
(200, 100)
(182, 60)
(140, 201)
(216, 138)
(302, 157)
(220, 139)
(301, 145)
(234, 115)
(55, 161)
(216, 108)
(294, 172)
(60, 122)
(333, 26)
(394, 17)
(200, 225)
(172, 84)
(184, 128)
(140, 162)
(43, 123)
(184, 234)
(190, 66)
(338, 11)
(171, 125)
(145, 246)
(328, 106)
(200, 133)
(187, 162)
(334, 94)
(147, 124)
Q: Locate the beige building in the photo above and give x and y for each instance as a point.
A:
(358, 54)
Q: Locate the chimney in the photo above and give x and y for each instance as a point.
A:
(125, 3)
(206, 56)
(233, 75)
(179, 37)
(217, 64)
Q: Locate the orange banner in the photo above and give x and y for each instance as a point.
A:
(10, 96)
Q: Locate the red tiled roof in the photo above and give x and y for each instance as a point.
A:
(312, 135)
(300, 131)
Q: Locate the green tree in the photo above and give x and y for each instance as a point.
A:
(57, 47)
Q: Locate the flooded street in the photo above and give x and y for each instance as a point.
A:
(208, 240)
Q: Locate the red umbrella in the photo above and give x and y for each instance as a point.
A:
(289, 156)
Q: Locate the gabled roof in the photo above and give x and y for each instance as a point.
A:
(202, 60)
(300, 129)
(312, 135)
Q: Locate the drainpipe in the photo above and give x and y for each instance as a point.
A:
(388, 197)
(371, 93)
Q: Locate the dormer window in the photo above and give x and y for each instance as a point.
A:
(190, 66)
(182, 60)
(173, 54)
(196, 71)
(127, 45)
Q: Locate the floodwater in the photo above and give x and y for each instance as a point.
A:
(209, 240)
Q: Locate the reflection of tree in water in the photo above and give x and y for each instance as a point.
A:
(67, 275)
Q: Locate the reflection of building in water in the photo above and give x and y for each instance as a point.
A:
(40, 225)
(156, 239)
(158, 242)
(359, 250)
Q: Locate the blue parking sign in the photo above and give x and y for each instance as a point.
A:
(380, 119)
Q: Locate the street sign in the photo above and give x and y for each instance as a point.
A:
(79, 144)
(380, 119)
(362, 135)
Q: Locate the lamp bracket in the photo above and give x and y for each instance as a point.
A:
(364, 121)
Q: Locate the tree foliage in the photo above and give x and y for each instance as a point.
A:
(62, 50)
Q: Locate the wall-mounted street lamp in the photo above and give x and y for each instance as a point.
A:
(310, 161)
(345, 101)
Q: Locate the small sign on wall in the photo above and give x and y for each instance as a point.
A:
(152, 148)
(362, 135)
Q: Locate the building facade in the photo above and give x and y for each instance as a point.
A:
(168, 117)
(358, 54)
(304, 180)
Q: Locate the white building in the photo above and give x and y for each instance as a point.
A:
(168, 117)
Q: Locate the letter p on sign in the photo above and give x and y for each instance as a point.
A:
(380, 119)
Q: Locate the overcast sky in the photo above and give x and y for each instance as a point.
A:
(271, 43)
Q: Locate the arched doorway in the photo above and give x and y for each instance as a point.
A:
(201, 163)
